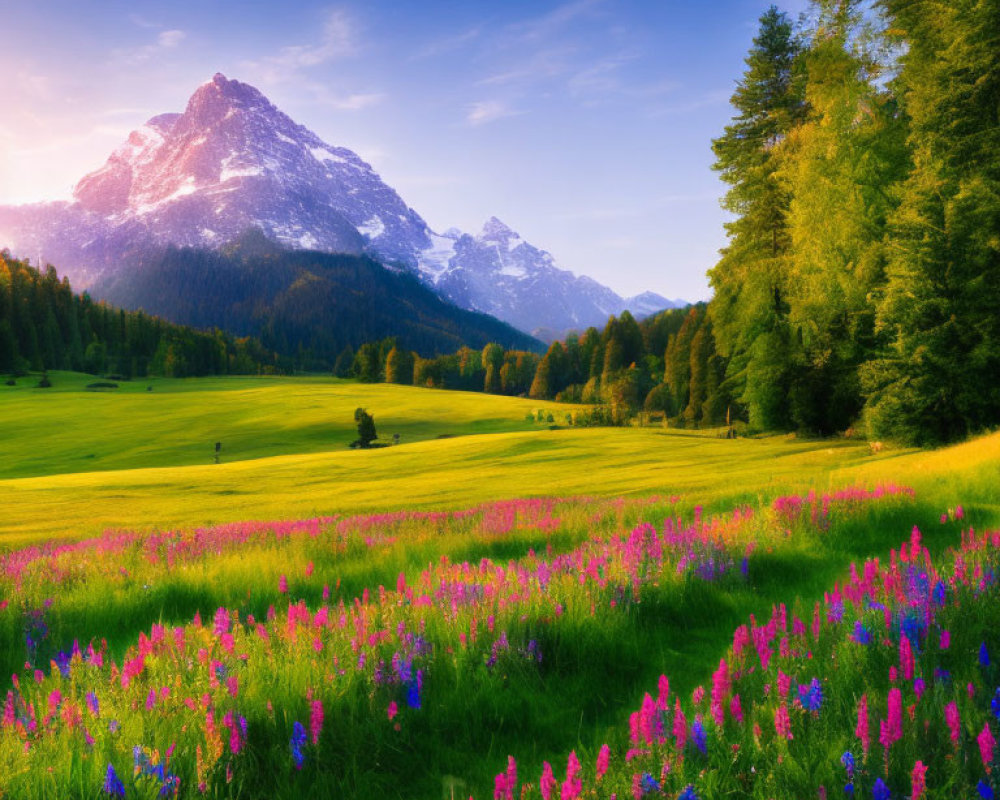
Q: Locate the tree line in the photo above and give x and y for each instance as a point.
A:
(665, 365)
(861, 279)
(44, 325)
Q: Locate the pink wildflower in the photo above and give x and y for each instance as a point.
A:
(782, 724)
(572, 786)
(906, 657)
(283, 584)
(953, 720)
(945, 642)
(720, 691)
(986, 745)
(548, 784)
(861, 731)
(736, 709)
(511, 777)
(603, 757)
(680, 726)
(919, 784)
(316, 720)
(393, 709)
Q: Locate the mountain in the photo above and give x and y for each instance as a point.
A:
(233, 162)
(302, 303)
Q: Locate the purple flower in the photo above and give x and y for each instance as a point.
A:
(698, 735)
(880, 791)
(112, 783)
(298, 741)
(985, 791)
(984, 655)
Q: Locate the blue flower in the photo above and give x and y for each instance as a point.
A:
(861, 634)
(648, 783)
(880, 791)
(688, 793)
(984, 790)
(940, 593)
(699, 736)
(112, 783)
(298, 741)
(995, 704)
(413, 695)
(811, 696)
(849, 789)
(984, 655)
(848, 761)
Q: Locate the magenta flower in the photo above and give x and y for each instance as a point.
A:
(548, 783)
(986, 745)
(572, 786)
(862, 731)
(782, 724)
(603, 756)
(316, 720)
(953, 721)
(918, 780)
(511, 778)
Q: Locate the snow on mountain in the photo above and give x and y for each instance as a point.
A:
(232, 161)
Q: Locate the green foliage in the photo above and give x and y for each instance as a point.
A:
(938, 378)
(43, 325)
(366, 428)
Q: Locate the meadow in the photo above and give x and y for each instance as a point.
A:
(481, 615)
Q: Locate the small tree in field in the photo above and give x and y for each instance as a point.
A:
(366, 428)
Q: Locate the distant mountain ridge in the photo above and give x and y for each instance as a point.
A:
(301, 303)
(232, 162)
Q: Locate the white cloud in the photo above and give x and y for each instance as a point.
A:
(165, 40)
(355, 102)
(448, 44)
(170, 39)
(489, 111)
(340, 39)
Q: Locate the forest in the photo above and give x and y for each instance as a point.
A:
(665, 365)
(860, 283)
(861, 279)
(44, 325)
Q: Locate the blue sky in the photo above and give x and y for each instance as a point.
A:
(585, 125)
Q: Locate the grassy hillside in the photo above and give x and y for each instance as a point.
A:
(77, 462)
(582, 579)
(69, 429)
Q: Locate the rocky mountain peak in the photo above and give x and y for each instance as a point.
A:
(233, 162)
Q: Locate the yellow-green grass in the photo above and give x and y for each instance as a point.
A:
(291, 434)
(69, 429)
(447, 473)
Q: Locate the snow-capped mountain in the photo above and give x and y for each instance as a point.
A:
(232, 162)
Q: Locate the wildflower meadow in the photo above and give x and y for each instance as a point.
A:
(415, 653)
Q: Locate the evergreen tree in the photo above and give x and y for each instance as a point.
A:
(399, 367)
(939, 377)
(750, 308)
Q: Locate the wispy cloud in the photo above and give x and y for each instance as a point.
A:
(340, 38)
(165, 40)
(448, 44)
(542, 27)
(355, 102)
(489, 111)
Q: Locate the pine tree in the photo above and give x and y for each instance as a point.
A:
(750, 308)
(940, 376)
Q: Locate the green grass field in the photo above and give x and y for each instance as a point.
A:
(69, 429)
(77, 462)
(285, 458)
